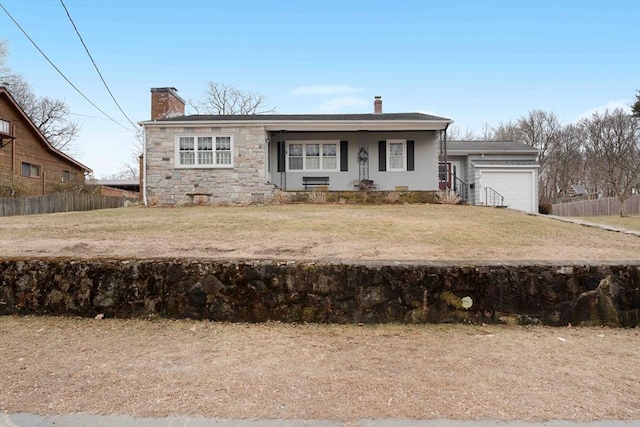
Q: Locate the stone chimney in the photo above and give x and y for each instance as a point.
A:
(377, 105)
(166, 103)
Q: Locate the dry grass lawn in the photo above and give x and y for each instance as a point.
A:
(339, 372)
(312, 232)
(630, 223)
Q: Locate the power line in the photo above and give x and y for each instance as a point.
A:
(94, 64)
(60, 72)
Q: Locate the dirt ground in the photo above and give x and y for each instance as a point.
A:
(339, 372)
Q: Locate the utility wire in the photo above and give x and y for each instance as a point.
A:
(60, 72)
(95, 66)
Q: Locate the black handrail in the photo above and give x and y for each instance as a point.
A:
(491, 196)
(460, 187)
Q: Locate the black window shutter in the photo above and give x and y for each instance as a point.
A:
(344, 156)
(382, 156)
(411, 166)
(280, 156)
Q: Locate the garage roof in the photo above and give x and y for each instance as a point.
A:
(490, 147)
(505, 163)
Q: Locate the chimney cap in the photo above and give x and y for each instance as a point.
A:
(164, 89)
(171, 90)
(377, 97)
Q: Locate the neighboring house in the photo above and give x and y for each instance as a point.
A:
(250, 158)
(499, 173)
(29, 164)
(119, 187)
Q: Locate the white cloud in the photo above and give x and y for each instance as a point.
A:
(611, 105)
(326, 90)
(335, 105)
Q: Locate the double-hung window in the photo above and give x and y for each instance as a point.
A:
(396, 155)
(312, 156)
(204, 151)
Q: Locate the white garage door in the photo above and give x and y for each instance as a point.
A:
(516, 187)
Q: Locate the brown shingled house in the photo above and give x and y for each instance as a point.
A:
(29, 164)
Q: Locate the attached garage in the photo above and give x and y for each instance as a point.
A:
(509, 168)
(515, 181)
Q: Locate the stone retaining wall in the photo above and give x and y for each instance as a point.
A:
(325, 292)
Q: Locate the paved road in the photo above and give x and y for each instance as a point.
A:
(78, 420)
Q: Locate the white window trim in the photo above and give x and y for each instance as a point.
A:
(304, 157)
(5, 127)
(199, 166)
(404, 155)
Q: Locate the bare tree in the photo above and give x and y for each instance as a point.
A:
(612, 144)
(225, 99)
(454, 133)
(540, 129)
(487, 133)
(507, 132)
(128, 170)
(566, 162)
(51, 116)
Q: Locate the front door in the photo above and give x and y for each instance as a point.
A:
(448, 180)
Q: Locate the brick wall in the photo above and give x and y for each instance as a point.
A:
(244, 183)
(118, 192)
(166, 103)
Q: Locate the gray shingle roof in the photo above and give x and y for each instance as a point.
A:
(504, 162)
(488, 146)
(309, 117)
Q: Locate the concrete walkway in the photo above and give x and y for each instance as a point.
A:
(81, 420)
(589, 224)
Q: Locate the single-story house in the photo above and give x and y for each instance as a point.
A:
(29, 164)
(248, 158)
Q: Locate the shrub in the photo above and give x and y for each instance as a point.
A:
(317, 195)
(14, 190)
(392, 197)
(545, 208)
(447, 197)
(281, 198)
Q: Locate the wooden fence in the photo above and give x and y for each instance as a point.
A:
(598, 207)
(58, 202)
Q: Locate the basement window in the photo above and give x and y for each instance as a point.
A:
(30, 170)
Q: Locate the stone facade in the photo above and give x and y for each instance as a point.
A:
(245, 182)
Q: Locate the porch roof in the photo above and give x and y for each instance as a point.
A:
(319, 122)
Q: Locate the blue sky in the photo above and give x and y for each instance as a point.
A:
(476, 62)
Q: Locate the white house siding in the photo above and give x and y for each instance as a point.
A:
(424, 177)
(244, 183)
